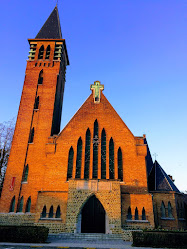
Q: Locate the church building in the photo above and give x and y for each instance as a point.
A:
(94, 176)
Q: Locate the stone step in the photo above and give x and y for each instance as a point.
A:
(85, 236)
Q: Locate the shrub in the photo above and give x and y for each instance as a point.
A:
(160, 239)
(23, 234)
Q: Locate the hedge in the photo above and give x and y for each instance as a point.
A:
(173, 239)
(23, 234)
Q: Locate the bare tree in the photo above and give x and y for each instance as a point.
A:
(6, 135)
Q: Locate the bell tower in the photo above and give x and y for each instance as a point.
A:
(39, 114)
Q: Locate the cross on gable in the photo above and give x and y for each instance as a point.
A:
(96, 89)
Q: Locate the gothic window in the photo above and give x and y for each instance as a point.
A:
(12, 204)
(163, 210)
(136, 214)
(21, 205)
(40, 78)
(95, 149)
(28, 205)
(51, 212)
(170, 210)
(31, 137)
(36, 104)
(44, 212)
(129, 215)
(87, 155)
(47, 52)
(70, 163)
(41, 53)
(111, 158)
(143, 214)
(103, 154)
(25, 175)
(79, 158)
(58, 214)
(120, 165)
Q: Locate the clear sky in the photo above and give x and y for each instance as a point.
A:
(136, 48)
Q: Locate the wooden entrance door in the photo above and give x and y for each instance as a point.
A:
(93, 217)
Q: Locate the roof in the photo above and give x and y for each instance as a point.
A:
(158, 180)
(51, 28)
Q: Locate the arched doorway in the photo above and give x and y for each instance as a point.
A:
(93, 217)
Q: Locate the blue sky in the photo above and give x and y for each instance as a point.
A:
(136, 48)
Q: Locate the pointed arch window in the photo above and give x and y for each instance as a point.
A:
(44, 212)
(95, 149)
(79, 158)
(26, 172)
(28, 205)
(136, 214)
(163, 210)
(103, 154)
(111, 158)
(129, 215)
(21, 205)
(31, 137)
(70, 163)
(41, 53)
(40, 78)
(170, 210)
(12, 204)
(51, 212)
(87, 155)
(36, 104)
(143, 214)
(120, 165)
(47, 52)
(58, 213)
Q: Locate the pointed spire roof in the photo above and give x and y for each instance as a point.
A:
(51, 28)
(159, 181)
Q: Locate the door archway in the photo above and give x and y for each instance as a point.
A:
(93, 216)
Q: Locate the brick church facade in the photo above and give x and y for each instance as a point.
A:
(94, 176)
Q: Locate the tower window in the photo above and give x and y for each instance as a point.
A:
(40, 78)
(44, 212)
(79, 158)
(36, 104)
(95, 149)
(47, 52)
(28, 205)
(41, 53)
(31, 137)
(120, 165)
(21, 205)
(25, 175)
(12, 204)
(58, 213)
(70, 163)
(51, 212)
(87, 155)
(111, 158)
(103, 154)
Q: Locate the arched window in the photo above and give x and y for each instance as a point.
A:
(36, 104)
(47, 52)
(103, 154)
(129, 215)
(40, 78)
(31, 137)
(21, 205)
(26, 172)
(169, 210)
(143, 214)
(51, 212)
(95, 149)
(70, 163)
(41, 53)
(111, 158)
(79, 158)
(58, 214)
(28, 205)
(163, 210)
(44, 212)
(12, 204)
(87, 155)
(136, 214)
(120, 165)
